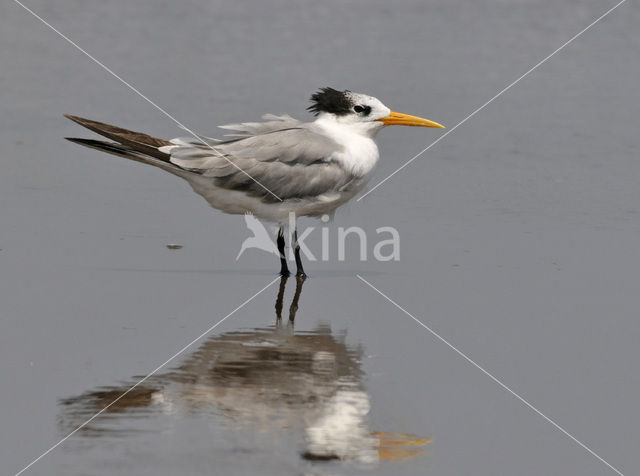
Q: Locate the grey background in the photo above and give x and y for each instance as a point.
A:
(519, 230)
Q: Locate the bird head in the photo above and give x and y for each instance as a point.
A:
(354, 108)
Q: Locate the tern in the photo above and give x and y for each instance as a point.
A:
(275, 169)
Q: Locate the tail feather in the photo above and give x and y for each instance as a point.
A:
(134, 141)
(109, 147)
(130, 153)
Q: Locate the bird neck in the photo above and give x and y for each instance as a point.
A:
(359, 153)
(331, 122)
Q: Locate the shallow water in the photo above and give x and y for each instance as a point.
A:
(304, 389)
(519, 245)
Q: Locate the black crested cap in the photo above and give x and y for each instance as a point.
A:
(330, 100)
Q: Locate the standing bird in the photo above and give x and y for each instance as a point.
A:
(274, 168)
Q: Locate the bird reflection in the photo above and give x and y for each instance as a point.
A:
(266, 378)
(293, 309)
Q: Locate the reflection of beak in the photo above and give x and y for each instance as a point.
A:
(399, 119)
(399, 446)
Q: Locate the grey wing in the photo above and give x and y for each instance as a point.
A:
(272, 123)
(282, 159)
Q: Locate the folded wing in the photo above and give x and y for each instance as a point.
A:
(282, 158)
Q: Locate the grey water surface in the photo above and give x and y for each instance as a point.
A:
(520, 245)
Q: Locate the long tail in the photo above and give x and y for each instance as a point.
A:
(128, 144)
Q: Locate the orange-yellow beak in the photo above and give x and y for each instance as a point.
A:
(399, 119)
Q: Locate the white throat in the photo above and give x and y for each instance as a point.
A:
(360, 153)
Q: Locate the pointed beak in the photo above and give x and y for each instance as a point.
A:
(399, 119)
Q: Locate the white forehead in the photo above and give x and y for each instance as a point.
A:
(363, 99)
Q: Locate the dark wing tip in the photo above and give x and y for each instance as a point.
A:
(88, 142)
(80, 120)
(136, 140)
(72, 117)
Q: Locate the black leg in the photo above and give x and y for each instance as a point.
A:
(300, 269)
(284, 269)
(300, 278)
(283, 283)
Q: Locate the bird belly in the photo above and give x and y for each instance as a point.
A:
(240, 202)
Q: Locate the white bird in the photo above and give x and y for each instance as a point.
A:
(274, 168)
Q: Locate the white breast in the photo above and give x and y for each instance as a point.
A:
(359, 154)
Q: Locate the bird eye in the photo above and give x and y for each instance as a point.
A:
(362, 109)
